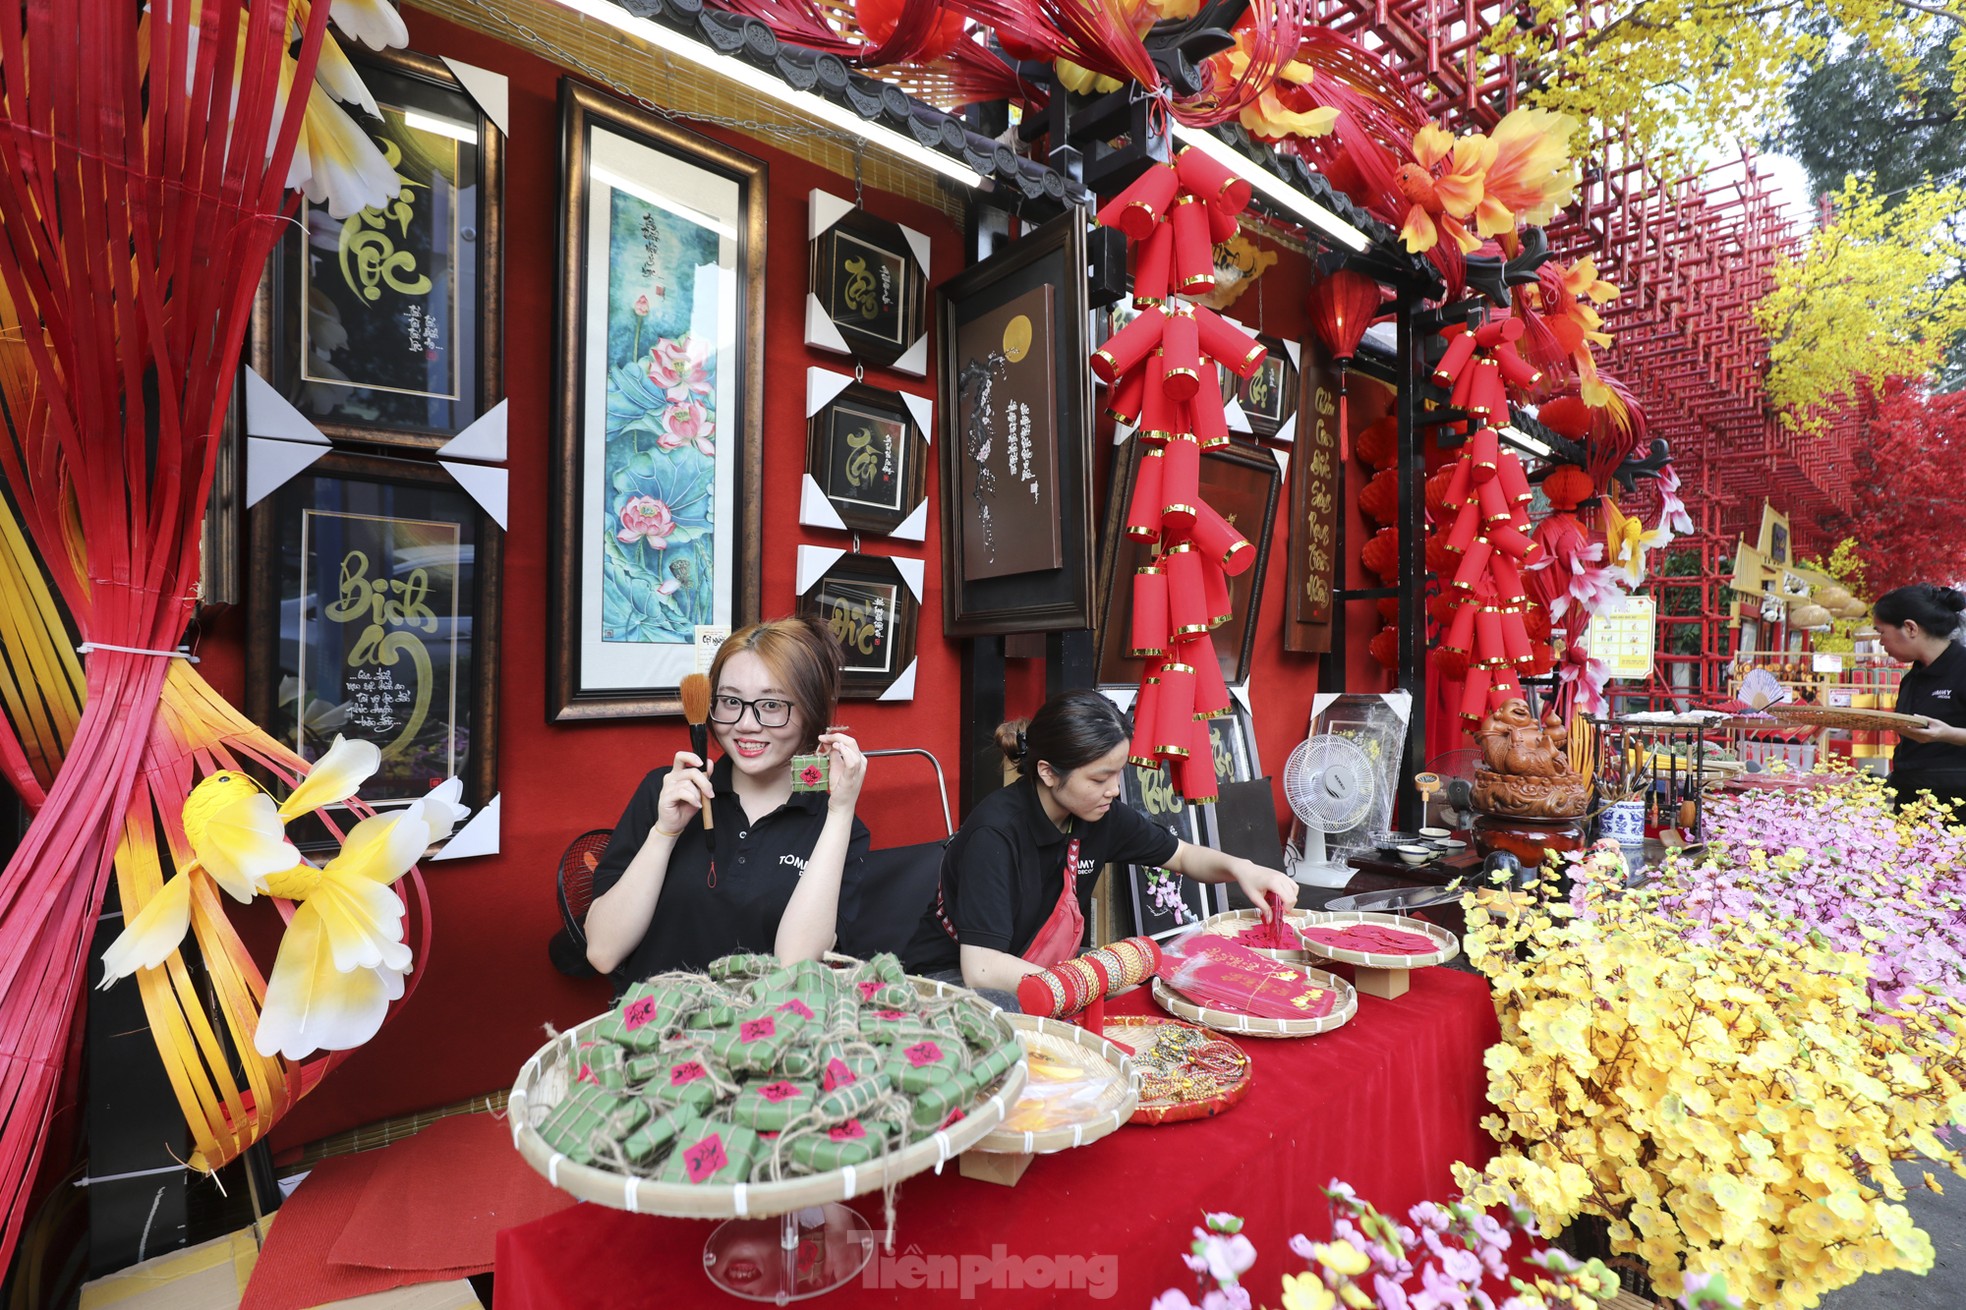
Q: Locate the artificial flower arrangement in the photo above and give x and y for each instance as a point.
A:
(1711, 1072)
(1446, 1260)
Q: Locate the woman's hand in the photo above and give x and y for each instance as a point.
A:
(846, 771)
(1258, 882)
(1933, 730)
(684, 792)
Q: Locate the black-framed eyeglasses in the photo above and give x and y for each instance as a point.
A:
(770, 713)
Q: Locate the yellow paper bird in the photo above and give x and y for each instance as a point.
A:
(1626, 540)
(1530, 174)
(342, 958)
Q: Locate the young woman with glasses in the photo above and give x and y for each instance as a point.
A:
(766, 877)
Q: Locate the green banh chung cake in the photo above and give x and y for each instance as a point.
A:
(762, 1071)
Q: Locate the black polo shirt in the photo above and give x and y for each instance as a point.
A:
(1936, 690)
(757, 868)
(1003, 871)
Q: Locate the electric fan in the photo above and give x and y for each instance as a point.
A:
(1328, 784)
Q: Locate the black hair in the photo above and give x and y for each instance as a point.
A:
(1934, 609)
(1071, 730)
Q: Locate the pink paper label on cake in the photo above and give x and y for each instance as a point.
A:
(687, 1072)
(850, 1131)
(798, 1007)
(838, 1075)
(756, 1030)
(867, 990)
(776, 1092)
(705, 1158)
(889, 1016)
(586, 1075)
(637, 1013)
(923, 1053)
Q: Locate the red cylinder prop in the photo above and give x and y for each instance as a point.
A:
(1474, 695)
(1180, 483)
(1129, 345)
(1483, 452)
(1187, 596)
(1215, 594)
(1123, 398)
(1180, 357)
(1135, 210)
(1143, 511)
(1174, 712)
(1211, 692)
(1229, 346)
(1460, 350)
(1474, 565)
(1194, 253)
(1219, 542)
(1145, 723)
(1153, 266)
(1212, 180)
(1205, 411)
(1149, 636)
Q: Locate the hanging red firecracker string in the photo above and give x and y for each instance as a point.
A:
(1162, 373)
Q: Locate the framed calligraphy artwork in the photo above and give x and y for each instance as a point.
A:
(374, 615)
(869, 287)
(1243, 484)
(1311, 576)
(1165, 902)
(384, 327)
(1016, 408)
(1268, 396)
(658, 423)
(872, 604)
(868, 457)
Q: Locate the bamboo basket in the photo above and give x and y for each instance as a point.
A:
(1447, 945)
(1090, 1051)
(1231, 922)
(1248, 1025)
(543, 1080)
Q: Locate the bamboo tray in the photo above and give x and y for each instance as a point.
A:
(1249, 1025)
(1231, 922)
(1220, 1071)
(1090, 1051)
(1825, 716)
(543, 1080)
(1378, 974)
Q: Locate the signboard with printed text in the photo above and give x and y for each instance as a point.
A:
(1623, 637)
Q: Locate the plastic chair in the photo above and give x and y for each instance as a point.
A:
(574, 888)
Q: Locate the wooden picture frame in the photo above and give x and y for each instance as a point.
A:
(868, 279)
(658, 430)
(373, 612)
(389, 334)
(1238, 481)
(868, 457)
(1269, 396)
(1012, 563)
(1317, 499)
(873, 609)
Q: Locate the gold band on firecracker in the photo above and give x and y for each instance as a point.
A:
(1175, 712)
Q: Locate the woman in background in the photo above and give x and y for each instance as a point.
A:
(1018, 876)
(1918, 624)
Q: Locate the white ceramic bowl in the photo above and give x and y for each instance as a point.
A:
(1452, 845)
(1435, 834)
(1416, 854)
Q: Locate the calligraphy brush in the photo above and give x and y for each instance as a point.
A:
(696, 708)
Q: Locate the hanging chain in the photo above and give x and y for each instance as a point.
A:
(859, 158)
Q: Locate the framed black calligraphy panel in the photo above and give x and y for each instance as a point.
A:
(659, 413)
(1243, 484)
(871, 602)
(1316, 489)
(1016, 407)
(869, 292)
(383, 327)
(374, 615)
(868, 458)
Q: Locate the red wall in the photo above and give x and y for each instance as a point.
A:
(486, 987)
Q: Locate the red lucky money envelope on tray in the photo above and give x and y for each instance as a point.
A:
(1213, 971)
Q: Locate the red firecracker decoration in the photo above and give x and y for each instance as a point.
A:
(1342, 306)
(1165, 367)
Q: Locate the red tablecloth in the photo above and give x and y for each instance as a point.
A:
(1388, 1103)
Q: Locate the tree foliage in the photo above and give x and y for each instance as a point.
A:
(1704, 73)
(1874, 293)
(1911, 476)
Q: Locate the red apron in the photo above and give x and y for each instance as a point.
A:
(1058, 940)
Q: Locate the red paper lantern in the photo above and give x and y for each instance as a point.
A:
(1381, 554)
(1442, 559)
(1342, 306)
(1442, 606)
(1389, 609)
(1378, 443)
(1452, 665)
(1568, 486)
(1536, 622)
(1385, 647)
(1380, 498)
(1434, 493)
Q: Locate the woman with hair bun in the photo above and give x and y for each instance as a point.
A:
(1918, 624)
(1018, 877)
(766, 876)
